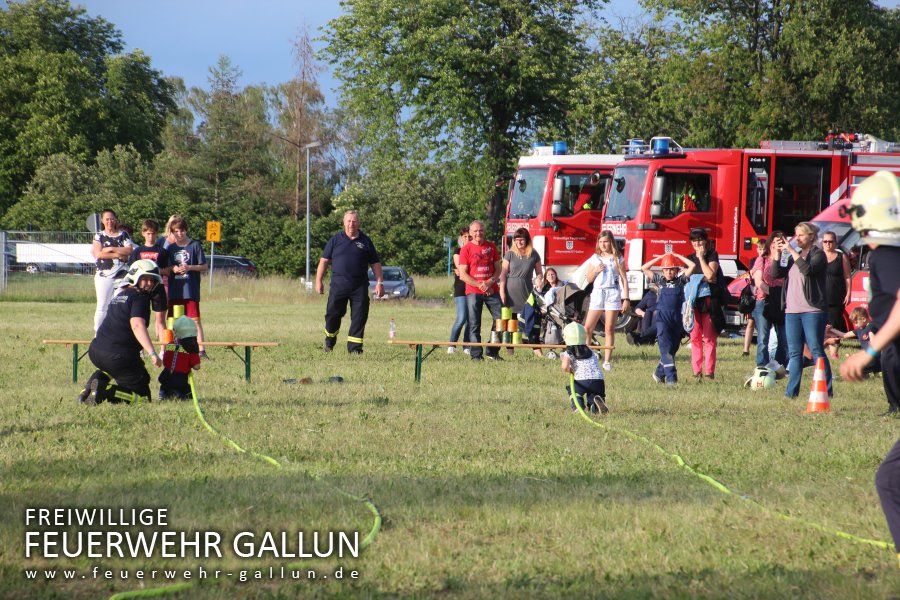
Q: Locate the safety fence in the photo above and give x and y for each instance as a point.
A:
(46, 265)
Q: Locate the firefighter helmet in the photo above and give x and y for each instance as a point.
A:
(143, 268)
(574, 334)
(874, 209)
(761, 379)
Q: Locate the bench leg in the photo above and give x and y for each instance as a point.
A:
(247, 351)
(418, 363)
(74, 363)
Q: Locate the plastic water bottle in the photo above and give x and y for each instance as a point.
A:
(785, 257)
(392, 330)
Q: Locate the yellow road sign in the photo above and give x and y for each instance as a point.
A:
(213, 231)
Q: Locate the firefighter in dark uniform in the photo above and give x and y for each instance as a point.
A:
(875, 213)
(116, 349)
(350, 253)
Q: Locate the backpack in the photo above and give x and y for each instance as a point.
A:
(747, 300)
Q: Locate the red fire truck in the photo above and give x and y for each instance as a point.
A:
(558, 197)
(661, 191)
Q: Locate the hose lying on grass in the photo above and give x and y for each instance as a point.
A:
(178, 587)
(718, 485)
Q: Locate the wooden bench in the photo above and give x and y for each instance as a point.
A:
(418, 344)
(248, 351)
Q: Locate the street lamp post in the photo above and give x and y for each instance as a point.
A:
(307, 147)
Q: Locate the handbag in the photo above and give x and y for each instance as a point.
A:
(747, 300)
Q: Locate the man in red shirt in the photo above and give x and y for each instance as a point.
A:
(479, 268)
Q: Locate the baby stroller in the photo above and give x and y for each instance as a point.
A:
(546, 321)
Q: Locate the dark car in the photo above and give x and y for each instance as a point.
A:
(238, 266)
(397, 283)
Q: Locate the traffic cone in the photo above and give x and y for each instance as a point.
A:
(818, 392)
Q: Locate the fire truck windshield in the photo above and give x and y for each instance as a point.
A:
(625, 193)
(528, 189)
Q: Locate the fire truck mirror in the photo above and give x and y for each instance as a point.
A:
(659, 184)
(656, 210)
(559, 186)
(556, 209)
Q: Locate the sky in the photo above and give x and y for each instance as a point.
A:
(186, 37)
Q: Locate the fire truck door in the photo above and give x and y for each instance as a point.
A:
(686, 203)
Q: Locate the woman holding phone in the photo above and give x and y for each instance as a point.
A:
(803, 298)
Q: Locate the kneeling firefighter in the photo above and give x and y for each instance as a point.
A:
(115, 350)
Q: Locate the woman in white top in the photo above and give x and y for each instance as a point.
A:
(610, 294)
(112, 248)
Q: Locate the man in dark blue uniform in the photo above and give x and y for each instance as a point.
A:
(350, 253)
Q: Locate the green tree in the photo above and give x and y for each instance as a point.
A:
(746, 71)
(450, 79)
(298, 105)
(65, 88)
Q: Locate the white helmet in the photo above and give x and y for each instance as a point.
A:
(143, 268)
(874, 209)
(761, 379)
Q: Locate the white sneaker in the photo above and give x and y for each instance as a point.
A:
(467, 350)
(451, 349)
(607, 366)
(551, 355)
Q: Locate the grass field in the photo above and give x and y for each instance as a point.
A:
(488, 484)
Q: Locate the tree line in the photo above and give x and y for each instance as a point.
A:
(439, 98)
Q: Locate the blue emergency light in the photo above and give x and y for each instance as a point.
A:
(634, 146)
(660, 145)
(560, 147)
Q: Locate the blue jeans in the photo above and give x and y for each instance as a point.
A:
(806, 327)
(763, 329)
(462, 319)
(474, 302)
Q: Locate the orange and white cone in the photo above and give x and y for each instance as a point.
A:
(818, 393)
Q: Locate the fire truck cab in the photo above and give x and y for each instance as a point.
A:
(558, 198)
(661, 191)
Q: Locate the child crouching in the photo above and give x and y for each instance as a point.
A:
(582, 362)
(178, 362)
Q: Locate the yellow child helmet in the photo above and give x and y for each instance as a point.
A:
(574, 334)
(874, 209)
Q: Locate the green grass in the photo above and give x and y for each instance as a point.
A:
(489, 485)
(53, 287)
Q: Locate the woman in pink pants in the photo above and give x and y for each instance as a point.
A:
(708, 316)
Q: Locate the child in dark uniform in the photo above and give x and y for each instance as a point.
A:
(178, 362)
(582, 362)
(670, 298)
